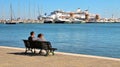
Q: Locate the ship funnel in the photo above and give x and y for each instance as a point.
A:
(97, 17)
(86, 17)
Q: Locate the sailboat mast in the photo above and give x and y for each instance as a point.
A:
(41, 10)
(3, 13)
(29, 10)
(38, 11)
(18, 10)
(11, 12)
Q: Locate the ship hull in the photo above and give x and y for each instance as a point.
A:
(47, 21)
(59, 22)
(10, 23)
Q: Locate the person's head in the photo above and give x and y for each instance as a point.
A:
(40, 35)
(32, 33)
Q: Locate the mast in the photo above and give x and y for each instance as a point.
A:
(112, 16)
(38, 11)
(34, 10)
(29, 11)
(41, 11)
(24, 11)
(11, 13)
(18, 17)
(3, 12)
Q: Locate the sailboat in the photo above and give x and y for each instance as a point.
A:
(11, 18)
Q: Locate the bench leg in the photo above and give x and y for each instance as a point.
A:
(34, 50)
(25, 50)
(30, 50)
(40, 51)
(52, 51)
(47, 52)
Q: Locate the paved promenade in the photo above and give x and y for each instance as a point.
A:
(14, 57)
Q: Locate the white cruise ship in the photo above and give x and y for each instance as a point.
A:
(78, 16)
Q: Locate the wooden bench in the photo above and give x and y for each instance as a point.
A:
(42, 45)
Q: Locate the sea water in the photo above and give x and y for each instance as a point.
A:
(100, 39)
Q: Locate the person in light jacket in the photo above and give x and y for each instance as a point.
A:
(41, 37)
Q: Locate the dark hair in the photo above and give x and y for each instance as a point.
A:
(39, 35)
(31, 33)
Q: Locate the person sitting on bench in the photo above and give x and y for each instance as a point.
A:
(41, 37)
(32, 36)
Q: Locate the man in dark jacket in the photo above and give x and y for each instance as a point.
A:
(32, 36)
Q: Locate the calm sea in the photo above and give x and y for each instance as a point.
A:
(91, 39)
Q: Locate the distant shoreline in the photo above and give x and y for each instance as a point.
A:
(72, 23)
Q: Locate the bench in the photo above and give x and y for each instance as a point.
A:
(42, 45)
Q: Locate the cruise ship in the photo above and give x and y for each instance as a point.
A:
(78, 16)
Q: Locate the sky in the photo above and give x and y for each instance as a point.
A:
(32, 8)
